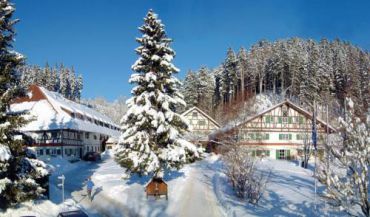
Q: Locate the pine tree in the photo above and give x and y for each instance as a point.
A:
(205, 89)
(19, 173)
(189, 90)
(79, 87)
(151, 141)
(64, 79)
(49, 82)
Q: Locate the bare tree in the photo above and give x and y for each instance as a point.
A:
(241, 169)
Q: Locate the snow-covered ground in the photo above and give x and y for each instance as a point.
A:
(199, 189)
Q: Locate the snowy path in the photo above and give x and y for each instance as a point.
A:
(198, 198)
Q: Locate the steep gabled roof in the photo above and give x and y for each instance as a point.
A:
(291, 105)
(203, 113)
(52, 111)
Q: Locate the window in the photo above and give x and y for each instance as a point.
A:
(301, 120)
(194, 114)
(87, 148)
(285, 120)
(290, 120)
(47, 152)
(282, 154)
(285, 136)
(202, 122)
(268, 119)
(40, 151)
(264, 153)
(58, 152)
(95, 137)
(285, 111)
(87, 135)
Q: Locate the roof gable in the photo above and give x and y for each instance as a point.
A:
(201, 112)
(294, 107)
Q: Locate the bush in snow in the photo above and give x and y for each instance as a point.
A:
(152, 129)
(240, 168)
(345, 171)
(19, 173)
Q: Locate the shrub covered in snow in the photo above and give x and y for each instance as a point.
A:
(241, 170)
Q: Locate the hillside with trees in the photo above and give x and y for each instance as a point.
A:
(298, 69)
(59, 78)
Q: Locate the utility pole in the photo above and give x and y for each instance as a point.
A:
(314, 143)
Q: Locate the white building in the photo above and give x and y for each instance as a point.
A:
(200, 125)
(62, 127)
(279, 132)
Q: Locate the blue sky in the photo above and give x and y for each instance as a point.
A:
(98, 37)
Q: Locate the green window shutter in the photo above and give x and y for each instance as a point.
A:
(280, 136)
(298, 137)
(267, 119)
(267, 136)
(280, 120)
(301, 120)
(277, 154)
(288, 154)
(289, 120)
(290, 136)
(253, 153)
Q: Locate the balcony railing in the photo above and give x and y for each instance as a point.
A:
(58, 142)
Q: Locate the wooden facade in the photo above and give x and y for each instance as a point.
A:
(156, 187)
(200, 124)
(57, 138)
(279, 132)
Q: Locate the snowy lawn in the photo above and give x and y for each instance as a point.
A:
(199, 189)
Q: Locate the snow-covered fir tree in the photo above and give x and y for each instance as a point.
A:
(151, 141)
(19, 173)
(189, 89)
(205, 88)
(347, 178)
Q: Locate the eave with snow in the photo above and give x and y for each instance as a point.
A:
(279, 132)
(200, 124)
(60, 126)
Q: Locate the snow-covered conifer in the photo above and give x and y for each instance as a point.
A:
(347, 179)
(189, 90)
(18, 171)
(152, 130)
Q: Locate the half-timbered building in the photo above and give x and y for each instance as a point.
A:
(200, 124)
(60, 126)
(279, 132)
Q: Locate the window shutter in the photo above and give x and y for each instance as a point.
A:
(277, 154)
(288, 154)
(279, 136)
(301, 120)
(280, 120)
(289, 120)
(267, 119)
(290, 136)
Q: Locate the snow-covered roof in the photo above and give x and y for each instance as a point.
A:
(202, 112)
(51, 111)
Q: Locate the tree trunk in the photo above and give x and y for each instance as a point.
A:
(242, 86)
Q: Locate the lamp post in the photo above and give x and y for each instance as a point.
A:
(62, 178)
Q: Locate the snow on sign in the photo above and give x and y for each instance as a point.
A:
(62, 127)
